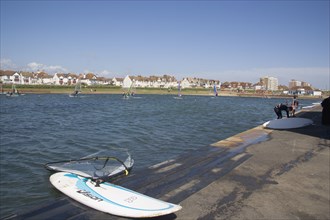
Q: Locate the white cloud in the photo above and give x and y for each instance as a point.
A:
(105, 73)
(54, 69)
(87, 71)
(42, 67)
(7, 64)
(34, 66)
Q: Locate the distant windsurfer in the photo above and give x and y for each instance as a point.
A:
(215, 90)
(125, 95)
(279, 108)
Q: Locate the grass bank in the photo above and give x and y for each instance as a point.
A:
(107, 89)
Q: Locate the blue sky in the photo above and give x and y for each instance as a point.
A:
(222, 40)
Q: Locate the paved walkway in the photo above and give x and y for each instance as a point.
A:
(257, 174)
(287, 177)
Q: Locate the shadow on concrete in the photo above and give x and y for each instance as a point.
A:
(316, 129)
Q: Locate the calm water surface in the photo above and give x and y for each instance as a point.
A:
(36, 129)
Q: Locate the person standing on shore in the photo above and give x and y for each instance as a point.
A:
(326, 111)
(295, 104)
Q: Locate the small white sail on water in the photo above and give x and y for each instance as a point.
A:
(77, 89)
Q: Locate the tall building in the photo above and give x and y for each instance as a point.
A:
(294, 83)
(269, 83)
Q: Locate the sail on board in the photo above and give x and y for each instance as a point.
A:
(77, 89)
(215, 91)
(13, 92)
(94, 166)
(130, 92)
(179, 91)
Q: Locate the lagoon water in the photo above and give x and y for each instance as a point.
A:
(36, 129)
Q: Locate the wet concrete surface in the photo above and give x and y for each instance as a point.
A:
(257, 174)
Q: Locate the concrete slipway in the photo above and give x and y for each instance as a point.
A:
(257, 174)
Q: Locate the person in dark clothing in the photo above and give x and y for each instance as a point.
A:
(295, 104)
(326, 111)
(279, 108)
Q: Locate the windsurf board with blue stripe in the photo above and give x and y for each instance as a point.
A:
(110, 198)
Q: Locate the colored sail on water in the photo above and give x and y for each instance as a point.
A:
(215, 90)
(179, 91)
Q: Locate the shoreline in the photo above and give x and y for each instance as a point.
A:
(152, 91)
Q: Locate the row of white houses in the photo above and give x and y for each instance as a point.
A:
(91, 79)
(43, 79)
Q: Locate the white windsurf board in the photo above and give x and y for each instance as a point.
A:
(111, 198)
(309, 106)
(287, 123)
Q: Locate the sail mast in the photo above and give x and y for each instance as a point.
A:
(179, 89)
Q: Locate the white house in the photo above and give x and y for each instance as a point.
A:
(185, 83)
(143, 83)
(90, 79)
(46, 81)
(86, 81)
(117, 82)
(317, 93)
(5, 79)
(171, 84)
(156, 83)
(16, 78)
